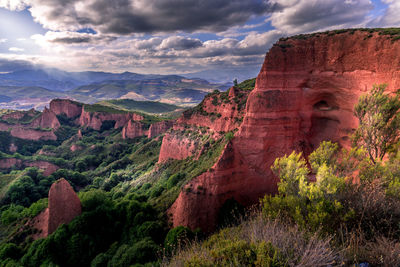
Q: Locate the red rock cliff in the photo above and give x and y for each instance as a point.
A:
(69, 108)
(159, 128)
(218, 113)
(64, 206)
(95, 119)
(47, 119)
(133, 129)
(305, 93)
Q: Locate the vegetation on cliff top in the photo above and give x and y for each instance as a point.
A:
(392, 33)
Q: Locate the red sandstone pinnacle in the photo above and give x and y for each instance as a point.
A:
(64, 206)
(47, 119)
(305, 93)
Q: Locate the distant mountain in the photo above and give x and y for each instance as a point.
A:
(170, 89)
(58, 80)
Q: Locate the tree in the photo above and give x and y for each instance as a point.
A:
(379, 122)
(235, 82)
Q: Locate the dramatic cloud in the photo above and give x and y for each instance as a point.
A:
(172, 36)
(14, 5)
(180, 43)
(73, 38)
(311, 15)
(391, 17)
(124, 17)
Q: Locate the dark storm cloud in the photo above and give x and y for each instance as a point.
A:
(81, 39)
(144, 16)
(180, 43)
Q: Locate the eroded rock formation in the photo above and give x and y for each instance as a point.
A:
(96, 119)
(47, 119)
(64, 206)
(69, 108)
(159, 128)
(305, 93)
(217, 114)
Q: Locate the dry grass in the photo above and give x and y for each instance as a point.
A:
(296, 248)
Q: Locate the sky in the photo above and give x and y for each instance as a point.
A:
(169, 36)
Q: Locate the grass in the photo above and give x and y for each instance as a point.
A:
(103, 109)
(142, 106)
(258, 242)
(393, 33)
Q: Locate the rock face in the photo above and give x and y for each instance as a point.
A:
(32, 134)
(133, 129)
(64, 206)
(8, 163)
(47, 119)
(159, 128)
(218, 113)
(69, 108)
(47, 167)
(175, 146)
(305, 93)
(95, 119)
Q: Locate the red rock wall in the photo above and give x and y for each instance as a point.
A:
(47, 167)
(177, 146)
(159, 128)
(31, 134)
(305, 93)
(134, 129)
(8, 163)
(95, 119)
(65, 106)
(47, 119)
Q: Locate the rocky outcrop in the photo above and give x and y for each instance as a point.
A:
(32, 134)
(64, 206)
(17, 115)
(177, 146)
(75, 147)
(221, 112)
(95, 120)
(47, 119)
(159, 128)
(305, 93)
(8, 163)
(217, 114)
(69, 108)
(134, 129)
(47, 167)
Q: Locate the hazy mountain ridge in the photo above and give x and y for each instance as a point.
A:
(35, 88)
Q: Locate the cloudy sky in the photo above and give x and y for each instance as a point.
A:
(169, 36)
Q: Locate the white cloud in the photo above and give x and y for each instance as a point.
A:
(3, 40)
(311, 15)
(16, 49)
(14, 5)
(391, 17)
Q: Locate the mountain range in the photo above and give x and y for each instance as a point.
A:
(34, 88)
